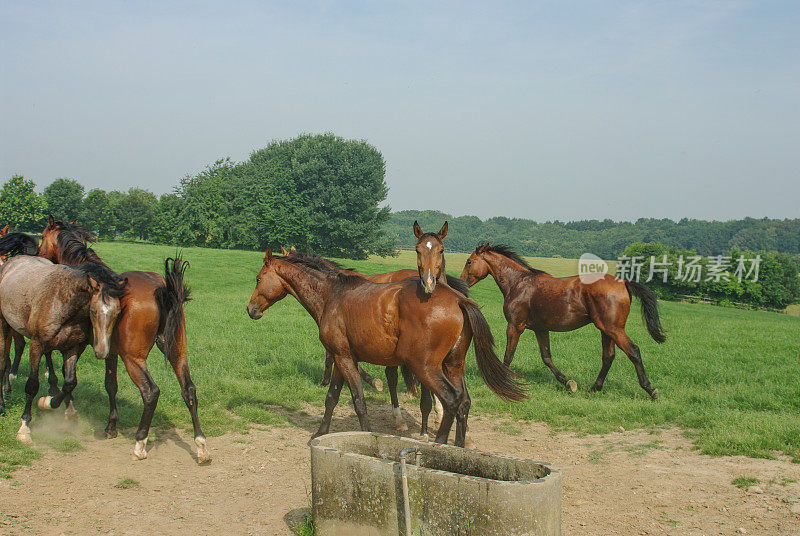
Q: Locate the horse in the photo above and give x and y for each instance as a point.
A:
(388, 324)
(59, 308)
(152, 313)
(19, 340)
(535, 300)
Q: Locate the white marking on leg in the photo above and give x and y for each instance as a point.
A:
(24, 433)
(399, 422)
(202, 454)
(44, 403)
(70, 412)
(11, 377)
(139, 450)
(438, 410)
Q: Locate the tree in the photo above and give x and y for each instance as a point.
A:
(20, 206)
(97, 214)
(64, 199)
(134, 212)
(169, 227)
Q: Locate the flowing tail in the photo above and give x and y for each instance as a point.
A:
(18, 243)
(505, 383)
(412, 383)
(649, 309)
(170, 299)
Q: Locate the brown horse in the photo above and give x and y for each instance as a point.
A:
(59, 308)
(540, 302)
(388, 324)
(152, 313)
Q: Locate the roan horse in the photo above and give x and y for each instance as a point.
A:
(388, 324)
(537, 301)
(152, 313)
(19, 341)
(59, 308)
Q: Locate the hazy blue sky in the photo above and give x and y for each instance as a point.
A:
(544, 110)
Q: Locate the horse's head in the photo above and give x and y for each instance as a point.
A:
(49, 245)
(430, 256)
(105, 290)
(269, 288)
(476, 267)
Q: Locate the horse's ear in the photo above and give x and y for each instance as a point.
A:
(283, 249)
(51, 221)
(417, 229)
(268, 257)
(292, 249)
(481, 248)
(443, 231)
(94, 286)
(5, 230)
(124, 281)
(73, 221)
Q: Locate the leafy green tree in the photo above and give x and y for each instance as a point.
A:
(169, 226)
(20, 206)
(97, 214)
(64, 199)
(134, 212)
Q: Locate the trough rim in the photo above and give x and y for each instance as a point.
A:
(554, 474)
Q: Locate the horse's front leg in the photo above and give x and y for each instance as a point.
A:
(111, 388)
(391, 380)
(5, 345)
(332, 398)
(513, 332)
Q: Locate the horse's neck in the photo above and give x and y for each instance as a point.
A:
(310, 287)
(506, 272)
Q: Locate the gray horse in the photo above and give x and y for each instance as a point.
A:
(59, 307)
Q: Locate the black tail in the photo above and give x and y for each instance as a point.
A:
(18, 244)
(171, 298)
(506, 383)
(412, 383)
(456, 283)
(649, 309)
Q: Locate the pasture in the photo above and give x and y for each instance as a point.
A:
(726, 377)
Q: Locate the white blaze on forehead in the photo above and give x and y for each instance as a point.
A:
(429, 245)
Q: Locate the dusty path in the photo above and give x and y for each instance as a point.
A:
(626, 483)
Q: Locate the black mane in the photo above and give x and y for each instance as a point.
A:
(72, 245)
(321, 264)
(114, 286)
(506, 251)
(18, 244)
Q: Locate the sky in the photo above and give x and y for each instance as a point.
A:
(542, 110)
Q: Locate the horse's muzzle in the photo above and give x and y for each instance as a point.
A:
(254, 312)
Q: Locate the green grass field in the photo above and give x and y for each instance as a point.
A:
(726, 376)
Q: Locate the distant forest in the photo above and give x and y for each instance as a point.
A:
(607, 239)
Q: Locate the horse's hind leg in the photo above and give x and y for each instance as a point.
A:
(189, 393)
(19, 347)
(632, 351)
(111, 388)
(425, 405)
(136, 365)
(326, 377)
(608, 358)
(70, 381)
(349, 369)
(391, 380)
(374, 382)
(543, 338)
(331, 399)
(31, 388)
(5, 344)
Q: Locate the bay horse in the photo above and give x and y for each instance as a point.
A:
(388, 324)
(59, 308)
(536, 300)
(152, 313)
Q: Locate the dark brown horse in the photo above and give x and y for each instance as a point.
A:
(59, 308)
(152, 313)
(389, 324)
(540, 302)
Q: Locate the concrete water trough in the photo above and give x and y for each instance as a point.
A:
(357, 489)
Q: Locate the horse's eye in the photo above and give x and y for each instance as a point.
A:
(469, 261)
(258, 280)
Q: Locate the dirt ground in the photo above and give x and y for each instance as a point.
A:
(624, 483)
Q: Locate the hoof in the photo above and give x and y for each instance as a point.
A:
(572, 386)
(139, 450)
(654, 394)
(402, 427)
(468, 444)
(378, 385)
(111, 434)
(24, 434)
(424, 437)
(70, 413)
(203, 457)
(44, 403)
